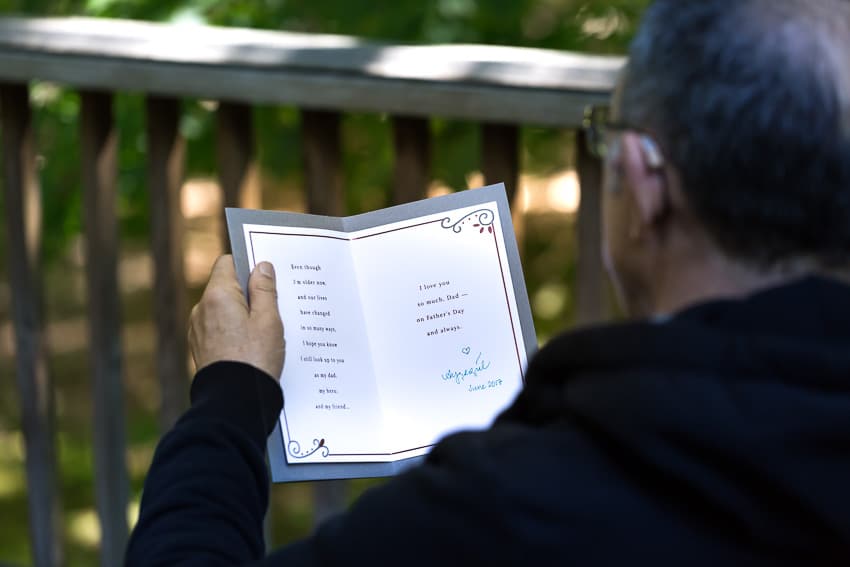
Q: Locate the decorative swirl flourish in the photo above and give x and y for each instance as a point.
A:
(485, 218)
(294, 448)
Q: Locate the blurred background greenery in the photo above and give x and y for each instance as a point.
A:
(597, 26)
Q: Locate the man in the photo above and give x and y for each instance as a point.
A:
(715, 431)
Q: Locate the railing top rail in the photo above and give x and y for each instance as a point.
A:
(323, 71)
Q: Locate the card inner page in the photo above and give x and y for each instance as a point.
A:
(396, 335)
(442, 321)
(332, 408)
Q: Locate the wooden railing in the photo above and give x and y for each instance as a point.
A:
(323, 76)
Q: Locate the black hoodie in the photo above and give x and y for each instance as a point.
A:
(718, 437)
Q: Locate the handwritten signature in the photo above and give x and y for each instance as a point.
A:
(460, 375)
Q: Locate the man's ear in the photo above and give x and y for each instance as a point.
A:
(643, 175)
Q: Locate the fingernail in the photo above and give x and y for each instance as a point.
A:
(266, 269)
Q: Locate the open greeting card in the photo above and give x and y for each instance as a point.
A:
(402, 325)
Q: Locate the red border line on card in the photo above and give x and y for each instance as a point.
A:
(508, 303)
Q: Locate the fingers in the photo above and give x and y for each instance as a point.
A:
(262, 290)
(223, 272)
(224, 327)
(265, 318)
(223, 289)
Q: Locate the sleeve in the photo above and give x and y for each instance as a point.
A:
(208, 489)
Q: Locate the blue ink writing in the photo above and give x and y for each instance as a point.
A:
(460, 375)
(490, 384)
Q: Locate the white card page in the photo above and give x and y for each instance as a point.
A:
(396, 335)
(443, 325)
(328, 381)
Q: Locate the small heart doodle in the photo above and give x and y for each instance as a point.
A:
(466, 350)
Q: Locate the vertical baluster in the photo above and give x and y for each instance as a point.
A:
(500, 156)
(590, 273)
(166, 153)
(320, 133)
(100, 165)
(235, 157)
(329, 498)
(323, 180)
(412, 170)
(23, 222)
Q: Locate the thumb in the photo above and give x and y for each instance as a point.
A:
(262, 290)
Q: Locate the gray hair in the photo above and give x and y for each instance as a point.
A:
(750, 100)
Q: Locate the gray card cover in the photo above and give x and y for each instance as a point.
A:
(281, 469)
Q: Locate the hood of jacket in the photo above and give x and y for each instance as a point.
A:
(735, 414)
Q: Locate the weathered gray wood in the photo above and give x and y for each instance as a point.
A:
(166, 44)
(234, 155)
(23, 233)
(235, 158)
(320, 132)
(100, 168)
(325, 90)
(484, 83)
(412, 168)
(500, 156)
(166, 154)
(329, 498)
(591, 281)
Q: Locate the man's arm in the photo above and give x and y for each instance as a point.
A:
(207, 489)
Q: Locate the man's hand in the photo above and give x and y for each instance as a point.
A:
(224, 327)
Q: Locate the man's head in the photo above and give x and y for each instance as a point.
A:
(748, 103)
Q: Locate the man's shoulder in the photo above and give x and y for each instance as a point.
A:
(806, 318)
(504, 495)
